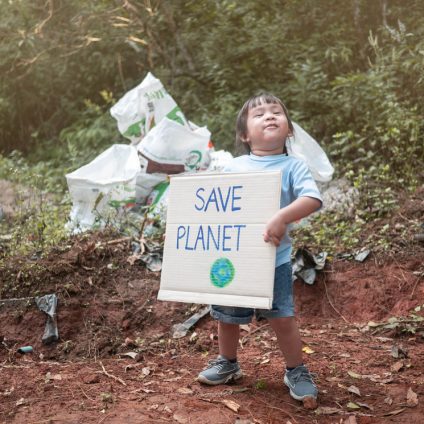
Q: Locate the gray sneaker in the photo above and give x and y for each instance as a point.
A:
(220, 371)
(300, 383)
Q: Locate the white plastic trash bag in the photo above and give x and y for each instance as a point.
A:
(170, 143)
(219, 160)
(143, 107)
(304, 147)
(145, 184)
(105, 185)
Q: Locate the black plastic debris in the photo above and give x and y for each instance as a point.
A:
(305, 265)
(48, 304)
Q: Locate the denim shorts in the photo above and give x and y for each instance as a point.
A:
(282, 303)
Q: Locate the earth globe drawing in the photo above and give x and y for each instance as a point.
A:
(222, 272)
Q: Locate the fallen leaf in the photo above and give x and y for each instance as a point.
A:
(20, 402)
(353, 405)
(354, 389)
(394, 412)
(185, 391)
(328, 410)
(307, 350)
(231, 405)
(388, 400)
(265, 361)
(145, 371)
(351, 419)
(411, 398)
(245, 327)
(365, 405)
(132, 355)
(181, 419)
(144, 390)
(354, 375)
(397, 366)
(170, 380)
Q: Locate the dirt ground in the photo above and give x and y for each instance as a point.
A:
(116, 360)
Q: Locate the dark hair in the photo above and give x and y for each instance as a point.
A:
(241, 122)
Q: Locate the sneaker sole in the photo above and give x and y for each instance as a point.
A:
(294, 395)
(232, 377)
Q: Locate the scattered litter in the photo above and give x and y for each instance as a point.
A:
(103, 188)
(25, 349)
(302, 146)
(153, 261)
(48, 304)
(305, 265)
(143, 107)
(180, 330)
(362, 255)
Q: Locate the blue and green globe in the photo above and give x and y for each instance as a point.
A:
(222, 272)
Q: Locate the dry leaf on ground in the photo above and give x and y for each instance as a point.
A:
(411, 398)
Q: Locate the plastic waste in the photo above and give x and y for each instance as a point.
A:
(104, 186)
(48, 305)
(143, 107)
(170, 143)
(305, 265)
(181, 330)
(219, 160)
(25, 349)
(303, 146)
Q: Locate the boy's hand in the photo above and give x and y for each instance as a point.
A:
(277, 225)
(275, 229)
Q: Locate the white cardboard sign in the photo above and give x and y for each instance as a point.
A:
(214, 249)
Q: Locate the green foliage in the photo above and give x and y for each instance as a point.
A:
(41, 207)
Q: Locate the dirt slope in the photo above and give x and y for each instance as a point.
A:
(108, 307)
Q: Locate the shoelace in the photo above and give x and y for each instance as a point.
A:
(303, 375)
(217, 362)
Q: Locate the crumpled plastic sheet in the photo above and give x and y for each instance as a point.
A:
(48, 305)
(305, 265)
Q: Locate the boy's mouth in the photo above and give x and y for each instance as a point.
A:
(271, 126)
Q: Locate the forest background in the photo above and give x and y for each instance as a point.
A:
(349, 71)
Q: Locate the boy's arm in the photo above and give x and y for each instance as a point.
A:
(277, 225)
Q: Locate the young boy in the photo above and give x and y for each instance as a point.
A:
(262, 127)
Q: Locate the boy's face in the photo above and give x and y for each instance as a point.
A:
(267, 129)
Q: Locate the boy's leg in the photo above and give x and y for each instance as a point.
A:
(289, 340)
(228, 339)
(225, 368)
(297, 377)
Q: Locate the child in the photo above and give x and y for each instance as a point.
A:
(263, 125)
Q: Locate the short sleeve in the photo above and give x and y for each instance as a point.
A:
(302, 183)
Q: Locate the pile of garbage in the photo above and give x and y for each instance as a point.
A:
(127, 185)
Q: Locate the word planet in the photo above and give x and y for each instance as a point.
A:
(222, 272)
